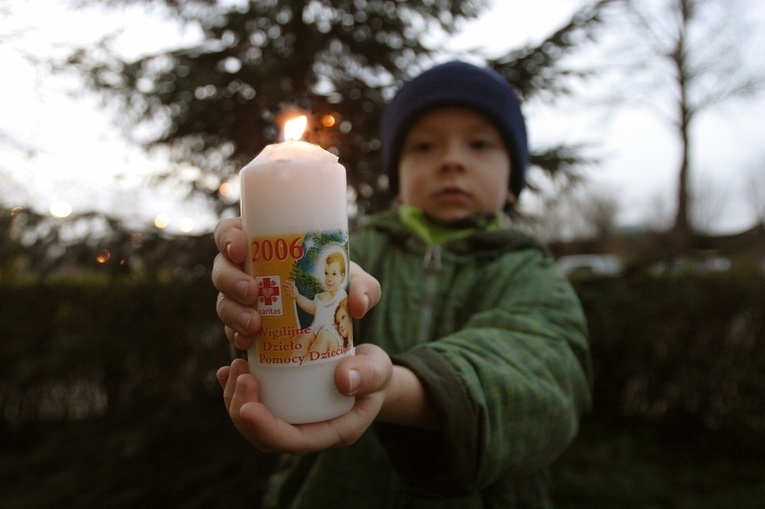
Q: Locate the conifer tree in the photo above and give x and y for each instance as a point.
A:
(217, 103)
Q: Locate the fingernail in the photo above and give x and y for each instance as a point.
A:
(240, 342)
(354, 378)
(239, 389)
(244, 320)
(242, 288)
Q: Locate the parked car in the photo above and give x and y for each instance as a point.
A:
(590, 265)
(696, 262)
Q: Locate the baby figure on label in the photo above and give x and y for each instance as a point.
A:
(340, 335)
(325, 307)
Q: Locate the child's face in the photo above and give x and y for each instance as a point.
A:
(333, 276)
(343, 321)
(454, 164)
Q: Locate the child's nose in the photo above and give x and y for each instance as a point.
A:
(453, 157)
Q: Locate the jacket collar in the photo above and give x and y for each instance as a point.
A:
(435, 231)
(502, 238)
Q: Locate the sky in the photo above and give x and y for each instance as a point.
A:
(59, 144)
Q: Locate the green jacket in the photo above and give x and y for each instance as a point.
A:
(498, 337)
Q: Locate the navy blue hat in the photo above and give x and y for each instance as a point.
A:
(457, 84)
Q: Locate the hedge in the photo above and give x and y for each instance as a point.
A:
(108, 395)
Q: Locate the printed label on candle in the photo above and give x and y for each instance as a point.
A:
(302, 282)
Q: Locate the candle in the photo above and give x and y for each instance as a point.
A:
(294, 215)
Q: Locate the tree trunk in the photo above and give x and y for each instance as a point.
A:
(682, 229)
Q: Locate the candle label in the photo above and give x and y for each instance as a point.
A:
(302, 282)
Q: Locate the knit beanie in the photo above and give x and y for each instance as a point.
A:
(457, 84)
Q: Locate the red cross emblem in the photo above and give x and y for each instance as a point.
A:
(268, 291)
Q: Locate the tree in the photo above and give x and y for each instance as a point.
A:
(658, 215)
(217, 103)
(599, 209)
(586, 214)
(696, 46)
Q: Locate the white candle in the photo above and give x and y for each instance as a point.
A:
(294, 215)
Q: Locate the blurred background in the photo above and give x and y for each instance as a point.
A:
(123, 125)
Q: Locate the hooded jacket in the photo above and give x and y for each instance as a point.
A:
(498, 338)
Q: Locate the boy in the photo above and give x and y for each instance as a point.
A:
(474, 367)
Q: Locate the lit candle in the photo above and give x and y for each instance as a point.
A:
(295, 218)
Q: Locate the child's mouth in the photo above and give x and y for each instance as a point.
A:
(452, 194)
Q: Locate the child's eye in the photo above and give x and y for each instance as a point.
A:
(480, 144)
(421, 146)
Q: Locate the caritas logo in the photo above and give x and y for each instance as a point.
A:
(269, 295)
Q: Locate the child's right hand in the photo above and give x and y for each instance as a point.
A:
(291, 289)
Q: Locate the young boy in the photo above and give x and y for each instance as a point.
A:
(474, 367)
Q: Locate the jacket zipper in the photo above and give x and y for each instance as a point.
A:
(432, 265)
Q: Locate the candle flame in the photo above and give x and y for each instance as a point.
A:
(293, 129)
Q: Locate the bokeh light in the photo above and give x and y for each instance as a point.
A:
(328, 120)
(161, 221)
(187, 225)
(103, 256)
(60, 209)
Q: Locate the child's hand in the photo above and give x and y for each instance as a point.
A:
(366, 375)
(291, 289)
(238, 292)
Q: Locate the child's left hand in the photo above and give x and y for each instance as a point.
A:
(366, 376)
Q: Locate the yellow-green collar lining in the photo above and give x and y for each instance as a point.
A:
(436, 232)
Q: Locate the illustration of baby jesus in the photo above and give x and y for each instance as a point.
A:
(324, 305)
